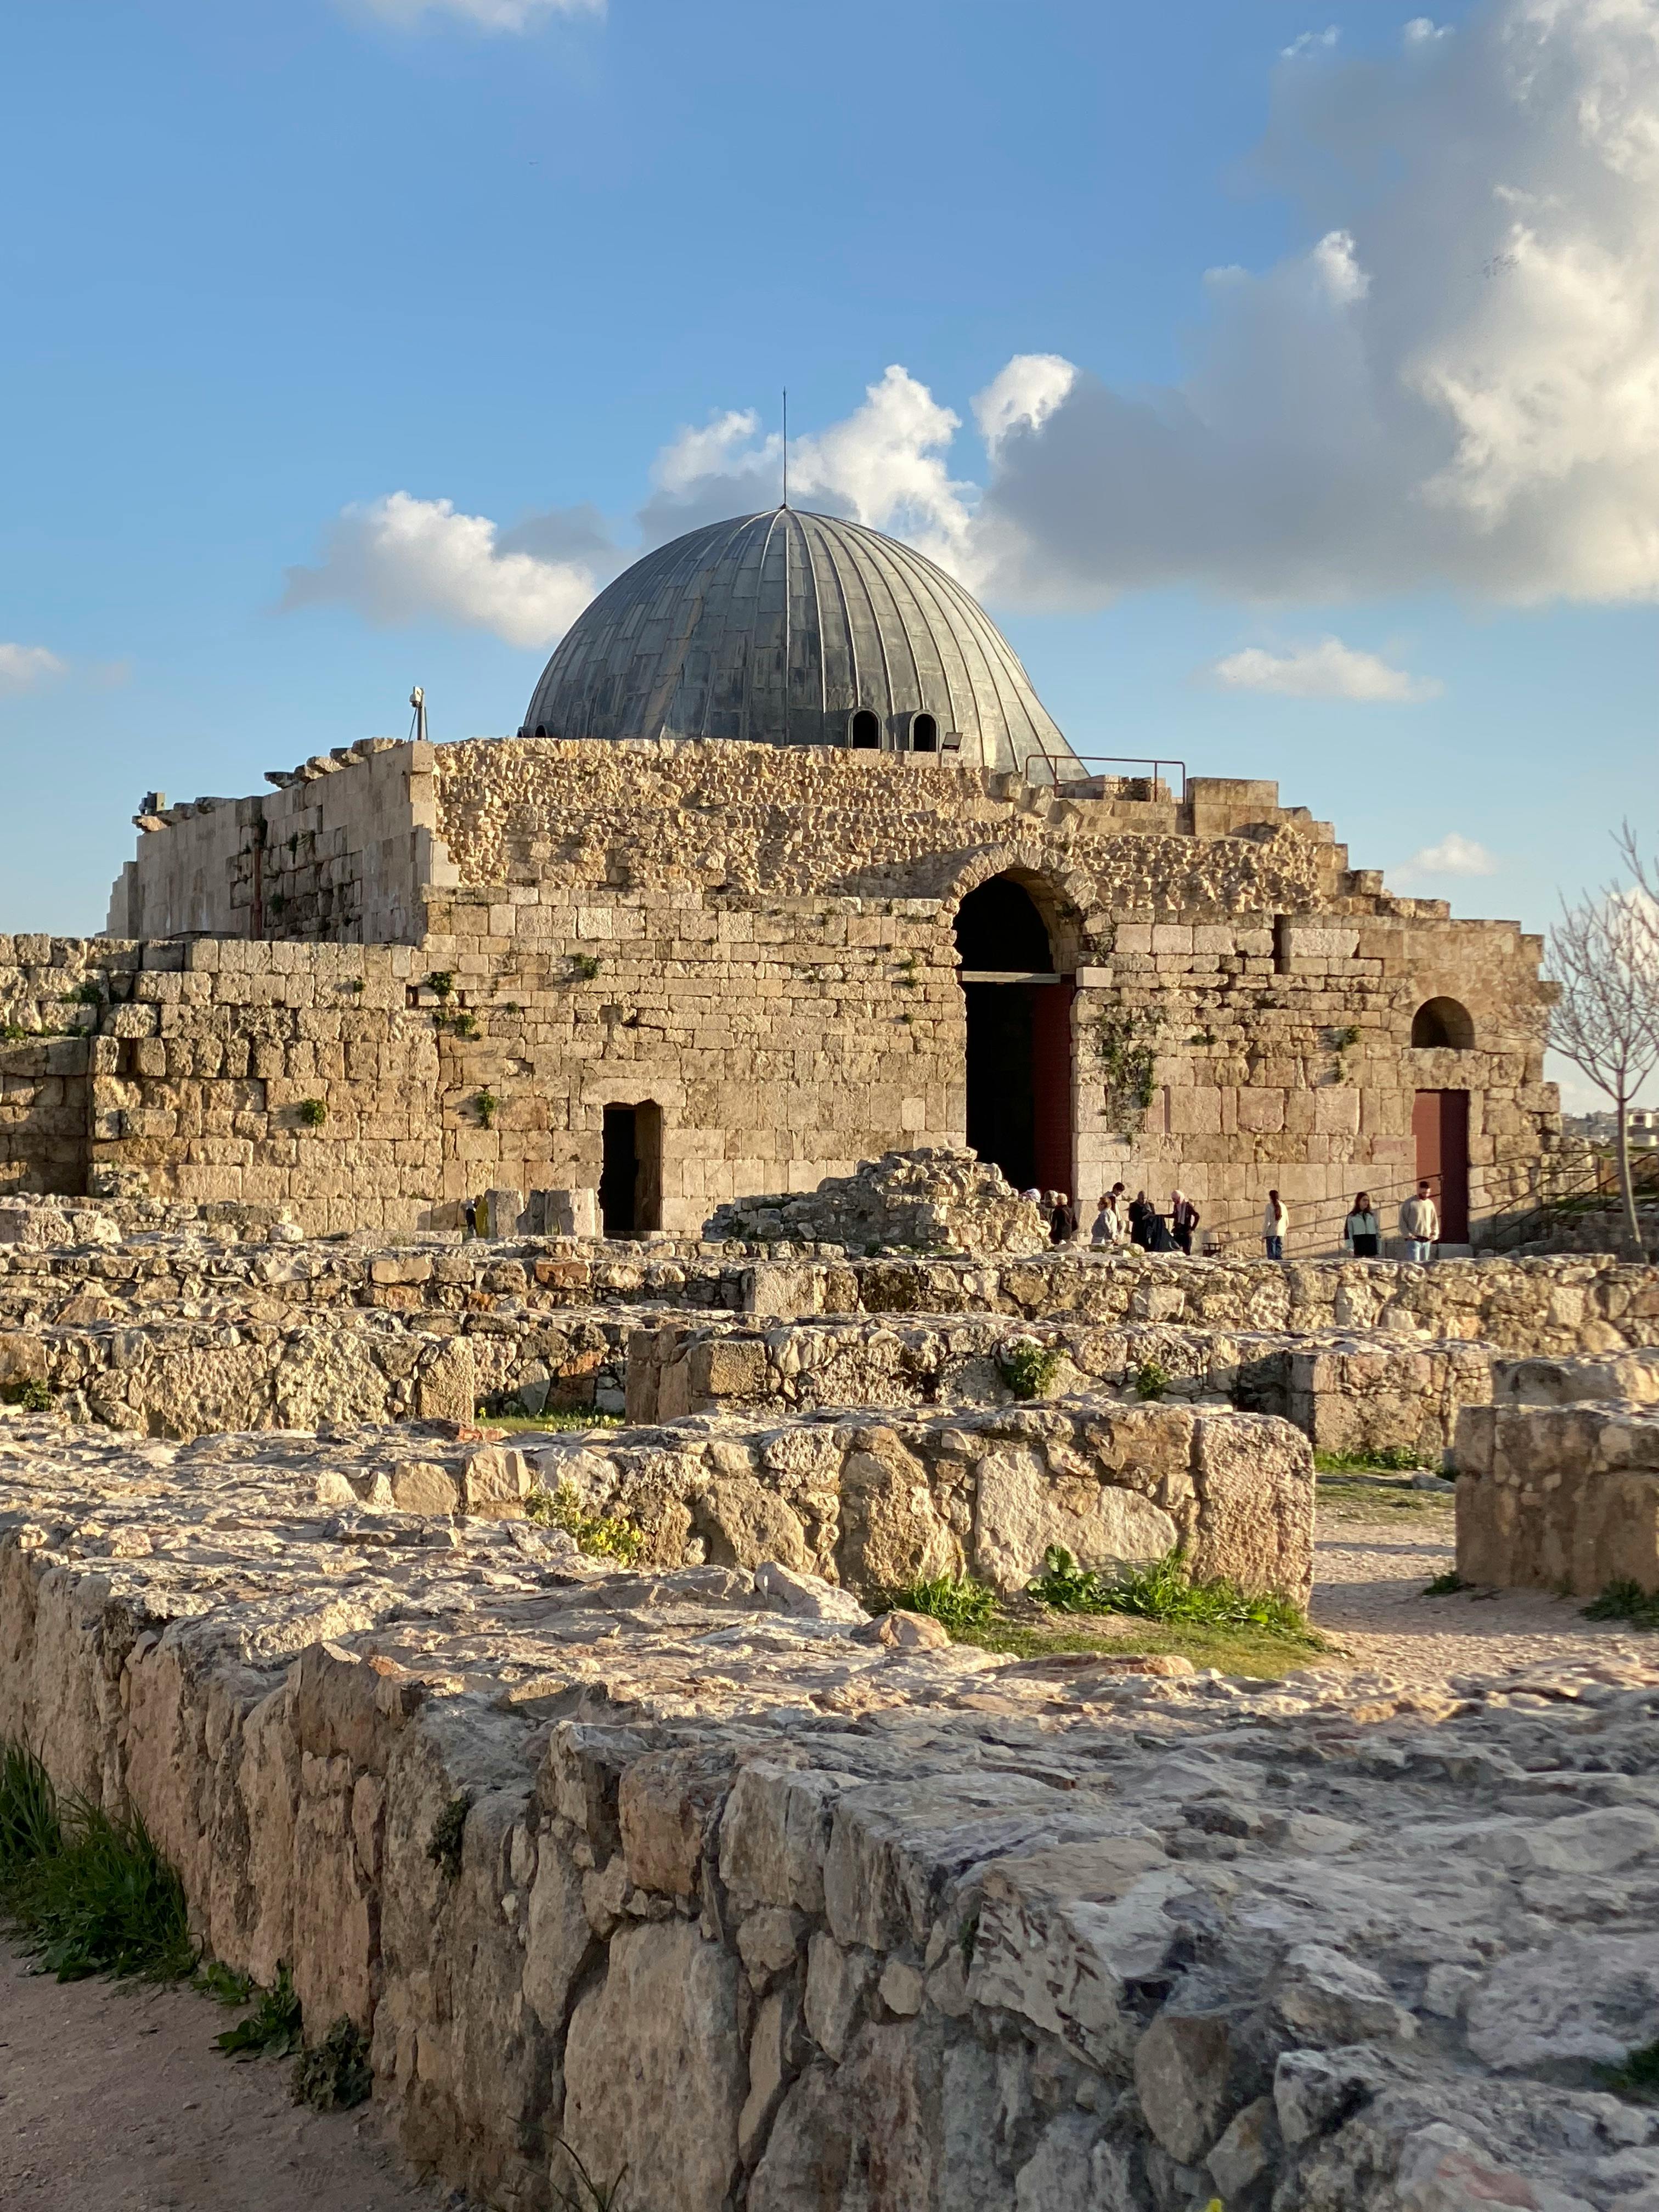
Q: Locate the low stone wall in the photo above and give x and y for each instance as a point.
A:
(876, 1505)
(1556, 1306)
(1346, 1394)
(784, 1917)
(1561, 1497)
(176, 1377)
(1561, 1306)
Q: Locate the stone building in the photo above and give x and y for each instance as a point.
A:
(788, 867)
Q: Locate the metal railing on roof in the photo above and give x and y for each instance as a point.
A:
(1055, 763)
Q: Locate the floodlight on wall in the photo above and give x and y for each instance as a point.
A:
(950, 742)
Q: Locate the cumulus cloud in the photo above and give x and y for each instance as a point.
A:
(1454, 855)
(883, 465)
(487, 14)
(23, 666)
(1422, 31)
(1458, 379)
(400, 560)
(1327, 670)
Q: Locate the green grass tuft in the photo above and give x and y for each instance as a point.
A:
(1392, 1459)
(272, 2029)
(600, 1535)
(335, 2074)
(1627, 1601)
(1163, 1591)
(84, 1893)
(586, 2195)
(1152, 1379)
(957, 1604)
(1446, 1585)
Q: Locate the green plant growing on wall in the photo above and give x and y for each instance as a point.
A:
(586, 965)
(1152, 1379)
(1126, 1043)
(356, 986)
(486, 1105)
(464, 1025)
(441, 982)
(1029, 1367)
(88, 993)
(312, 1113)
(33, 1396)
(600, 1535)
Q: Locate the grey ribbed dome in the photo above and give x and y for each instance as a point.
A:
(694, 641)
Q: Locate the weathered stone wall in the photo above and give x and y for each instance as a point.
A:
(1563, 1306)
(907, 1931)
(1559, 1497)
(178, 1378)
(1346, 1393)
(759, 942)
(1555, 1307)
(879, 1504)
(342, 852)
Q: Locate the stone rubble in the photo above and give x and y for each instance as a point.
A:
(939, 1198)
(791, 1912)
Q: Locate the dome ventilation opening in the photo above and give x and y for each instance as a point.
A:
(924, 734)
(867, 734)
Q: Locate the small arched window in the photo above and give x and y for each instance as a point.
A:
(924, 734)
(866, 733)
(1442, 1025)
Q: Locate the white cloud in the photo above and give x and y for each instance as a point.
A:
(1454, 855)
(1022, 397)
(487, 14)
(23, 666)
(1421, 31)
(401, 560)
(1310, 42)
(883, 465)
(1458, 382)
(1328, 669)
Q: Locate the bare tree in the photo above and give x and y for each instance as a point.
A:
(1605, 954)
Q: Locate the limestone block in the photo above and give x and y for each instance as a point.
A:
(1018, 1514)
(630, 2099)
(495, 1480)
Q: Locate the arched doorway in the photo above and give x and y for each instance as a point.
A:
(1019, 1037)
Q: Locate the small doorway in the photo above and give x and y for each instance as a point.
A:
(1019, 1037)
(630, 1178)
(1440, 1124)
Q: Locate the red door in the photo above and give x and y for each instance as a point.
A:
(1440, 1123)
(1051, 1082)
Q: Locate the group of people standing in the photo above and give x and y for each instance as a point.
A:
(1119, 1219)
(1362, 1232)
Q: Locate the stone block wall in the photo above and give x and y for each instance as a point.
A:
(878, 1504)
(758, 941)
(1562, 1497)
(342, 852)
(1346, 1393)
(914, 1931)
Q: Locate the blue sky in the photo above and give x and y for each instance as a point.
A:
(1315, 349)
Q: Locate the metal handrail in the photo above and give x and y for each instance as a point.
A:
(1055, 762)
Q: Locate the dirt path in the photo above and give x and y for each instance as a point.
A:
(113, 2099)
(1369, 1577)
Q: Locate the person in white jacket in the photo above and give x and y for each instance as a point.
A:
(1419, 1223)
(1276, 1226)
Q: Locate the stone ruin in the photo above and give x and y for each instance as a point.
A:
(939, 1198)
(789, 1904)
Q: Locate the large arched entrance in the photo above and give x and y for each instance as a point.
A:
(1019, 1037)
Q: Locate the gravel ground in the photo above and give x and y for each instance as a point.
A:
(1369, 1577)
(113, 2096)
